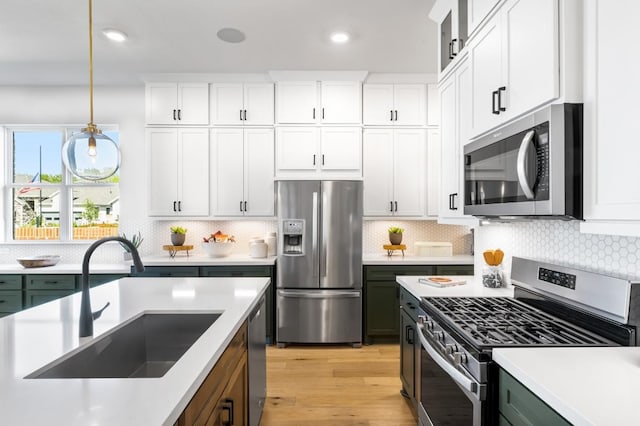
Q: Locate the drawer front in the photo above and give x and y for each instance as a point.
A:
(520, 406)
(38, 297)
(409, 304)
(166, 271)
(388, 273)
(454, 270)
(235, 271)
(50, 282)
(99, 279)
(10, 301)
(10, 282)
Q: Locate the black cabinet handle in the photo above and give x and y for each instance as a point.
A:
(453, 44)
(396, 204)
(240, 205)
(228, 406)
(408, 334)
(240, 115)
(451, 50)
(500, 90)
(245, 115)
(391, 208)
(314, 113)
(51, 282)
(179, 114)
(174, 206)
(314, 159)
(391, 112)
(179, 206)
(396, 118)
(323, 113)
(323, 159)
(494, 96)
(453, 201)
(245, 206)
(174, 114)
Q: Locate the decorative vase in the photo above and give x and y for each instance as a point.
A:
(395, 238)
(177, 239)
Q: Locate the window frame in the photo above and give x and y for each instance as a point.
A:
(66, 187)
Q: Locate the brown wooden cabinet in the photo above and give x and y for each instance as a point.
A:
(222, 399)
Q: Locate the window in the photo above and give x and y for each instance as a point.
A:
(46, 201)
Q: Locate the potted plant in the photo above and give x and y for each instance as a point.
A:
(178, 235)
(395, 235)
(136, 240)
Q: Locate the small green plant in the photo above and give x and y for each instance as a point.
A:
(178, 230)
(396, 230)
(136, 240)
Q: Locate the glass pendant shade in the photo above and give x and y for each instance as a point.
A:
(90, 155)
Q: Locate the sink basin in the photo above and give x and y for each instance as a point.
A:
(148, 346)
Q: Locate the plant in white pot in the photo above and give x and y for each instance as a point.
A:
(178, 235)
(395, 235)
(136, 240)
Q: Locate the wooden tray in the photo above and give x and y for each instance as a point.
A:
(391, 247)
(174, 249)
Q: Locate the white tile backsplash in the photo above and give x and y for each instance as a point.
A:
(561, 242)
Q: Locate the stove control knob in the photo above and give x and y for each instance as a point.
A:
(429, 325)
(450, 348)
(422, 319)
(439, 335)
(460, 358)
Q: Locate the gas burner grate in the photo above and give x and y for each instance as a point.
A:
(502, 321)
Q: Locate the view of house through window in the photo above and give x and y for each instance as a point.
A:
(51, 204)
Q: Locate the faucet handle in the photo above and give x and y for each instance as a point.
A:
(98, 313)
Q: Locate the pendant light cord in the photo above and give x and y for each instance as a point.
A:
(91, 61)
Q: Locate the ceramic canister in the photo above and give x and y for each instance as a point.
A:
(258, 248)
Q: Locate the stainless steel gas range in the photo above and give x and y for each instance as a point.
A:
(553, 306)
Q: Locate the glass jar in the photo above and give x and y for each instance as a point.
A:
(492, 276)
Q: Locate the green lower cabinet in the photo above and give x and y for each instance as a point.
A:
(454, 270)
(521, 407)
(42, 288)
(38, 297)
(167, 271)
(10, 301)
(99, 279)
(382, 306)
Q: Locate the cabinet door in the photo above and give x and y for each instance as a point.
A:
(258, 104)
(193, 158)
(382, 309)
(409, 171)
(377, 104)
(433, 172)
(448, 146)
(407, 363)
(463, 124)
(193, 103)
(161, 103)
(227, 162)
(433, 105)
(377, 172)
(341, 102)
(258, 172)
(410, 104)
(341, 149)
(226, 100)
(297, 102)
(486, 70)
(477, 11)
(296, 150)
(530, 54)
(162, 163)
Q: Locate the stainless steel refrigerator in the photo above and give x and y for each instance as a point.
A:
(319, 278)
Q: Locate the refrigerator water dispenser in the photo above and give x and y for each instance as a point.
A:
(292, 233)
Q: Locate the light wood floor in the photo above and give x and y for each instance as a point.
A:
(336, 385)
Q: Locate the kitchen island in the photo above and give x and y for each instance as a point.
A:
(33, 338)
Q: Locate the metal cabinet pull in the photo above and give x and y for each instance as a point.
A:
(245, 206)
(228, 407)
(240, 115)
(245, 115)
(323, 113)
(391, 206)
(408, 334)
(174, 114)
(391, 112)
(179, 206)
(314, 113)
(453, 52)
(323, 159)
(396, 119)
(500, 90)
(494, 96)
(453, 201)
(179, 114)
(240, 205)
(174, 206)
(396, 204)
(314, 159)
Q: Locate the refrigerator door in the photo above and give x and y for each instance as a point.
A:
(299, 200)
(319, 316)
(341, 235)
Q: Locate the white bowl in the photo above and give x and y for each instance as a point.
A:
(217, 249)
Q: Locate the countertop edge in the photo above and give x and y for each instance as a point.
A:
(398, 259)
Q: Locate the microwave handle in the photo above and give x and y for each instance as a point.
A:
(520, 168)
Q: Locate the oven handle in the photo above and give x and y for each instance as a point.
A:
(462, 380)
(520, 168)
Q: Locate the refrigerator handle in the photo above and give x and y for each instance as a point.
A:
(324, 237)
(314, 233)
(315, 294)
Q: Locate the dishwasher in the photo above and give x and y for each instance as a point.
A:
(257, 363)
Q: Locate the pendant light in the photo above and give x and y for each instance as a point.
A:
(91, 155)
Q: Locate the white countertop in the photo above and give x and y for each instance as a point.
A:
(67, 268)
(182, 260)
(398, 259)
(33, 338)
(586, 386)
(473, 288)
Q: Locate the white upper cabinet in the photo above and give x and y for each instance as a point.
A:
(451, 17)
(311, 102)
(395, 104)
(477, 11)
(311, 152)
(394, 170)
(515, 62)
(242, 162)
(177, 103)
(178, 171)
(242, 104)
(433, 105)
(611, 125)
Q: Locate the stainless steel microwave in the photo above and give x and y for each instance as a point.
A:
(529, 168)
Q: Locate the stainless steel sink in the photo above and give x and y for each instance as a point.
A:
(148, 346)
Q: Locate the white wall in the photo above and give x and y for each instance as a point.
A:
(561, 243)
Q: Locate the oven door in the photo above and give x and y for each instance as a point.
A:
(448, 396)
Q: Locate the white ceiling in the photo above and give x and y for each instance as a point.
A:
(46, 41)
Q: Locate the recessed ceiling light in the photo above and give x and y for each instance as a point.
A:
(231, 35)
(115, 35)
(340, 37)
